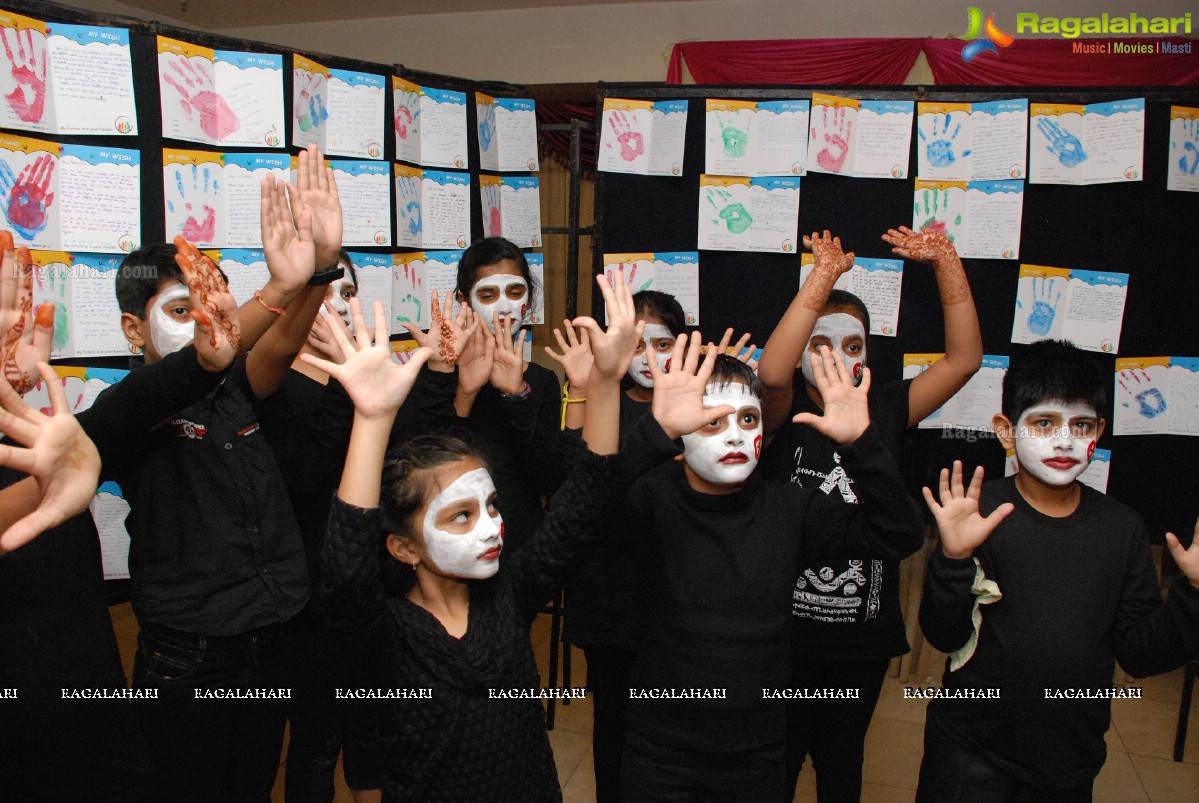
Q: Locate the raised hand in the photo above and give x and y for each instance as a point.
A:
(575, 358)
(846, 414)
(678, 404)
(447, 337)
(218, 337)
(24, 341)
(59, 456)
(320, 337)
(315, 191)
(508, 366)
(288, 246)
(1187, 558)
(962, 527)
(827, 253)
(612, 350)
(476, 361)
(930, 246)
(374, 380)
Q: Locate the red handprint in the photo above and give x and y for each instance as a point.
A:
(402, 121)
(632, 143)
(28, 99)
(217, 120)
(836, 149)
(28, 198)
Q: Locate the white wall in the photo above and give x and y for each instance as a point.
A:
(631, 41)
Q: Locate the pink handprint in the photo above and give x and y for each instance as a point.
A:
(495, 224)
(832, 157)
(217, 120)
(28, 99)
(402, 121)
(632, 143)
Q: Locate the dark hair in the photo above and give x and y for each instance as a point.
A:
(485, 253)
(843, 299)
(406, 480)
(729, 370)
(662, 306)
(344, 256)
(1053, 369)
(142, 273)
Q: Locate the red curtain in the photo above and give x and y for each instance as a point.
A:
(1053, 62)
(795, 61)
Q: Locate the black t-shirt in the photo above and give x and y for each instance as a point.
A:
(842, 609)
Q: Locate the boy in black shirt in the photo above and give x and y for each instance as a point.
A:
(1040, 598)
(717, 548)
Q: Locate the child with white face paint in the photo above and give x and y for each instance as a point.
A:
(1041, 561)
(718, 549)
(847, 632)
(462, 627)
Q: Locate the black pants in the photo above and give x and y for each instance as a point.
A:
(833, 731)
(608, 670)
(211, 750)
(657, 773)
(955, 773)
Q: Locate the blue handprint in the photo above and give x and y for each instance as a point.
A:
(408, 204)
(940, 151)
(184, 221)
(1138, 388)
(1044, 306)
(487, 126)
(1062, 144)
(1190, 133)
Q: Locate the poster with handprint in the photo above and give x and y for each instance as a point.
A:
(975, 404)
(109, 508)
(972, 141)
(86, 316)
(675, 273)
(511, 208)
(71, 79)
(364, 188)
(432, 208)
(1101, 143)
(1095, 476)
(878, 282)
(409, 292)
(764, 138)
(1182, 173)
(1156, 396)
(220, 97)
(861, 138)
(507, 134)
(1083, 306)
(643, 137)
(430, 125)
(339, 111)
(28, 189)
(213, 199)
(981, 218)
(748, 214)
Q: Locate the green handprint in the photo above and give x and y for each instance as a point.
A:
(410, 299)
(735, 216)
(52, 282)
(735, 140)
(935, 211)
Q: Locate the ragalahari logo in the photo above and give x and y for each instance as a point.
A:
(985, 36)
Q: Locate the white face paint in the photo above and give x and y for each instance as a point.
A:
(473, 555)
(500, 303)
(167, 334)
(639, 367)
(1055, 440)
(842, 332)
(730, 453)
(340, 303)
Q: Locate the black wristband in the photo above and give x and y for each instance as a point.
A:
(327, 276)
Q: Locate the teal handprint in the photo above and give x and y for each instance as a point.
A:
(1062, 144)
(411, 301)
(735, 140)
(734, 214)
(1150, 401)
(1044, 306)
(940, 151)
(932, 211)
(1188, 162)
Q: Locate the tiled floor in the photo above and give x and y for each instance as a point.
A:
(1139, 769)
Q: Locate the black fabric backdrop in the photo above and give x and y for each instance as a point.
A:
(1135, 227)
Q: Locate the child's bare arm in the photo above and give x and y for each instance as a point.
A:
(963, 339)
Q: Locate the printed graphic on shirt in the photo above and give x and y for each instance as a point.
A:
(188, 429)
(839, 591)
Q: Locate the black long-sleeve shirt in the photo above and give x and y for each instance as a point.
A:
(717, 577)
(1078, 593)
